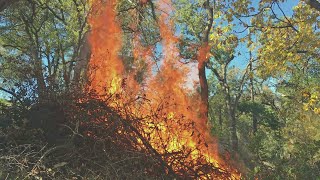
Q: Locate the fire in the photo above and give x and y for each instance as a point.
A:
(168, 111)
(106, 67)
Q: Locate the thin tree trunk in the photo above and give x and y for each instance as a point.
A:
(234, 137)
(220, 117)
(35, 53)
(231, 107)
(39, 76)
(254, 116)
(83, 59)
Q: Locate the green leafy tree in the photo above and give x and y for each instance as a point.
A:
(47, 36)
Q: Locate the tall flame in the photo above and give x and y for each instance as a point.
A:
(106, 67)
(177, 118)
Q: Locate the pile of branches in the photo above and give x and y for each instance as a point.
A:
(97, 139)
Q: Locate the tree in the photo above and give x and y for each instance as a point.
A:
(48, 37)
(210, 44)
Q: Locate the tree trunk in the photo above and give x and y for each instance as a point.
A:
(204, 92)
(220, 117)
(202, 61)
(254, 115)
(234, 137)
(233, 123)
(41, 85)
(83, 59)
(36, 56)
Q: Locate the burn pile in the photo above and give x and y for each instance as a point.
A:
(159, 116)
(150, 148)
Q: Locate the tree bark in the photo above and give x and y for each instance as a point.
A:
(204, 92)
(202, 61)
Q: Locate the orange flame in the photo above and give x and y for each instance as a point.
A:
(105, 66)
(165, 89)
